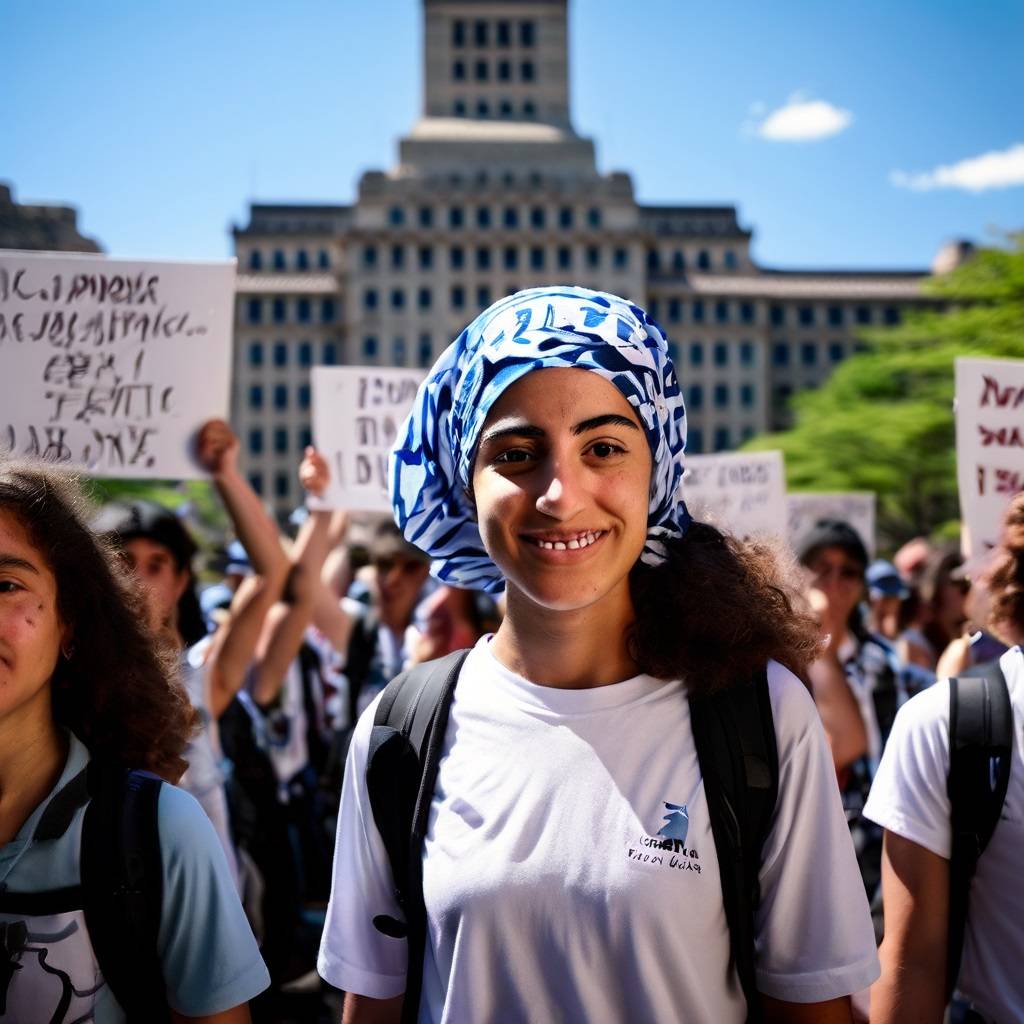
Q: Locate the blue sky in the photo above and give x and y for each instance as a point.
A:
(160, 121)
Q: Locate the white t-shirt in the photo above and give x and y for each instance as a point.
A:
(909, 798)
(549, 893)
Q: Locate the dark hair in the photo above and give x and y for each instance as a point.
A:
(122, 521)
(716, 611)
(117, 691)
(1006, 577)
(833, 533)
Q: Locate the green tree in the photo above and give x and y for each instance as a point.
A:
(883, 421)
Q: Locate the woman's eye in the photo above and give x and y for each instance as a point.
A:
(8, 586)
(512, 455)
(605, 449)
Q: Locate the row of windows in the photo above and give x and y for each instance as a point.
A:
(504, 108)
(278, 260)
(719, 353)
(677, 263)
(302, 313)
(721, 395)
(480, 33)
(500, 71)
(282, 353)
(722, 311)
(722, 439)
(399, 353)
(785, 354)
(835, 316)
(279, 438)
(280, 397)
(282, 484)
(510, 257)
(538, 217)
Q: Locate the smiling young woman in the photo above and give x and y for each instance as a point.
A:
(544, 457)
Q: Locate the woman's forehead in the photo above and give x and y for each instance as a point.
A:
(559, 395)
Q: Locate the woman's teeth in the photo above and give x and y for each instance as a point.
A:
(583, 541)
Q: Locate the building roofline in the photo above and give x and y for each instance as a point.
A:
(843, 272)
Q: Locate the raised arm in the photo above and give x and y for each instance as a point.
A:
(287, 622)
(915, 893)
(234, 644)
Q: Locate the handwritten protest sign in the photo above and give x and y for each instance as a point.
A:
(989, 444)
(854, 507)
(741, 492)
(357, 411)
(109, 365)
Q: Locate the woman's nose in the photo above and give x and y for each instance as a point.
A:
(561, 497)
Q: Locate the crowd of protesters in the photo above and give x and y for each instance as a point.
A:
(128, 679)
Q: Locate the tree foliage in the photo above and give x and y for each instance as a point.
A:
(883, 421)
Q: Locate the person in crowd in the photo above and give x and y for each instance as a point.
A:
(938, 614)
(976, 645)
(886, 591)
(910, 800)
(159, 551)
(856, 681)
(85, 696)
(453, 619)
(554, 472)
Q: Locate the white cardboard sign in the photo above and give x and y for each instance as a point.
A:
(111, 366)
(989, 444)
(357, 411)
(854, 507)
(743, 493)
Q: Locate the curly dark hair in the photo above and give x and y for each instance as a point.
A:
(117, 690)
(716, 611)
(1006, 576)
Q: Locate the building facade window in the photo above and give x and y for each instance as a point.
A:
(696, 396)
(303, 311)
(835, 352)
(323, 260)
(426, 257)
(805, 316)
(279, 311)
(256, 396)
(564, 257)
(280, 441)
(483, 217)
(809, 353)
(835, 316)
(620, 257)
(675, 310)
(369, 256)
(537, 258)
(529, 110)
(746, 395)
(703, 260)
(370, 299)
(397, 299)
(565, 217)
(527, 33)
(483, 296)
(256, 483)
(721, 353)
(594, 217)
(255, 311)
(397, 257)
(723, 439)
(396, 216)
(280, 354)
(456, 257)
(280, 397)
(458, 33)
(282, 482)
(459, 71)
(863, 314)
(696, 353)
(510, 217)
(746, 353)
(593, 257)
(746, 312)
(892, 315)
(510, 257)
(255, 441)
(426, 350)
(480, 33)
(330, 354)
(483, 258)
(255, 353)
(305, 354)
(698, 311)
(777, 315)
(279, 263)
(537, 217)
(255, 260)
(527, 71)
(458, 297)
(370, 347)
(503, 33)
(398, 351)
(780, 354)
(424, 298)
(456, 217)
(729, 259)
(721, 396)
(302, 260)
(327, 311)
(695, 440)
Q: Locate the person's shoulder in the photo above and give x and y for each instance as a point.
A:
(185, 830)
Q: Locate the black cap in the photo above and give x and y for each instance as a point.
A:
(833, 533)
(124, 520)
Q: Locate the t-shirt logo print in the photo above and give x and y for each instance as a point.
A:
(677, 822)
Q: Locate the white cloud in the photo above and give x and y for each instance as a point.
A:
(804, 120)
(998, 169)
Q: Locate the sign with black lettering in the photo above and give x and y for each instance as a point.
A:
(357, 411)
(110, 366)
(743, 493)
(989, 444)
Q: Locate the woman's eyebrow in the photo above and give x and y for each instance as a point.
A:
(513, 430)
(11, 562)
(611, 419)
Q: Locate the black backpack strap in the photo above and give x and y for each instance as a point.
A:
(122, 882)
(401, 771)
(734, 733)
(361, 647)
(980, 749)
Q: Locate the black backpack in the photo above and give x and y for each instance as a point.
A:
(980, 756)
(121, 886)
(735, 738)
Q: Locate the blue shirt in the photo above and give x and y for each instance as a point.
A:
(210, 959)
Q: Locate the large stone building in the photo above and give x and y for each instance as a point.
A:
(38, 227)
(494, 191)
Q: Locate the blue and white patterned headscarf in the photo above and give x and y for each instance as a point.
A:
(432, 461)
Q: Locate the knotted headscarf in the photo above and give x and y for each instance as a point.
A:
(432, 461)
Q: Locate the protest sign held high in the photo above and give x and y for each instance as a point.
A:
(110, 366)
(357, 411)
(854, 507)
(741, 492)
(989, 444)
